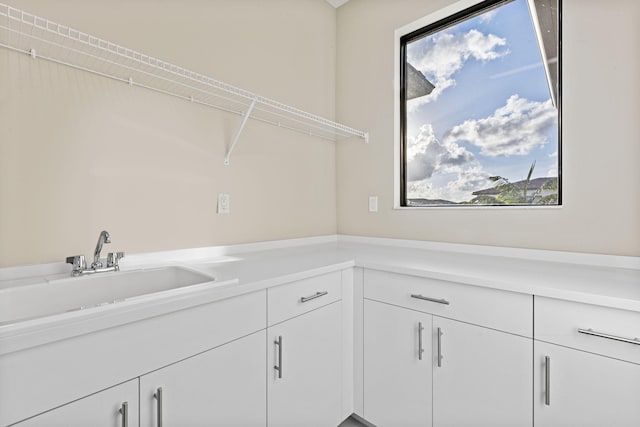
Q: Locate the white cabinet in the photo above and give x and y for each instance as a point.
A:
(116, 406)
(299, 297)
(304, 371)
(583, 389)
(484, 377)
(505, 311)
(207, 365)
(586, 365)
(592, 328)
(468, 374)
(43, 377)
(397, 366)
(305, 389)
(224, 386)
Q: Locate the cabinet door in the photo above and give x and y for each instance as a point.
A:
(116, 406)
(224, 386)
(306, 389)
(585, 390)
(397, 378)
(484, 378)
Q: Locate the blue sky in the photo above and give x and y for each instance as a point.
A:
(490, 113)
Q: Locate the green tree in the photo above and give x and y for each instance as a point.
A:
(519, 193)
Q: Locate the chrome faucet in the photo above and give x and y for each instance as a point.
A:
(113, 258)
(103, 238)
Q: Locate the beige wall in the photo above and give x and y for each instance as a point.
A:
(81, 153)
(601, 135)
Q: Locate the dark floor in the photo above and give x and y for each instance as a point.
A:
(351, 422)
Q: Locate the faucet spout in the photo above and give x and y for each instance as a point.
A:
(104, 237)
(80, 265)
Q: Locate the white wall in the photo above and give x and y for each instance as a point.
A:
(601, 134)
(81, 153)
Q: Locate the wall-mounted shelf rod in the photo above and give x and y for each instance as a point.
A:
(43, 39)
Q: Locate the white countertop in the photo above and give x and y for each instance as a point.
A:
(593, 284)
(248, 268)
(607, 286)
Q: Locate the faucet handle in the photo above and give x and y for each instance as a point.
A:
(77, 261)
(114, 258)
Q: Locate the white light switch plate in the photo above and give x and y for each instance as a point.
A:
(373, 203)
(224, 203)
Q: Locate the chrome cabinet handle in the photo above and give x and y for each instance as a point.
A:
(422, 297)
(591, 332)
(314, 296)
(439, 335)
(547, 380)
(158, 396)
(124, 410)
(278, 366)
(420, 349)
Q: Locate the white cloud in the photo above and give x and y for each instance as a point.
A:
(470, 180)
(443, 55)
(516, 70)
(441, 171)
(426, 155)
(488, 16)
(455, 186)
(514, 129)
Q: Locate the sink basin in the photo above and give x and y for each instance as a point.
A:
(77, 293)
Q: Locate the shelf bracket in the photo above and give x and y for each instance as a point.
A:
(245, 116)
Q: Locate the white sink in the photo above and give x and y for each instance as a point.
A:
(78, 293)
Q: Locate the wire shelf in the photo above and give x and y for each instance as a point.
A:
(41, 38)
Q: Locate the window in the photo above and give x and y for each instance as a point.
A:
(480, 107)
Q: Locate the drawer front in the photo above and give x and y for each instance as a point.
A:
(606, 331)
(295, 298)
(501, 310)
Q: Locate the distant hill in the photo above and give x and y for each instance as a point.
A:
(429, 202)
(534, 184)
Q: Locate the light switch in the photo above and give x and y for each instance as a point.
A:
(224, 203)
(373, 203)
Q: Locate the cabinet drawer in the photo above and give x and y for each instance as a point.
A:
(501, 310)
(559, 322)
(295, 298)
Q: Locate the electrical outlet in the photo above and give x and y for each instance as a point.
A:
(224, 203)
(373, 203)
